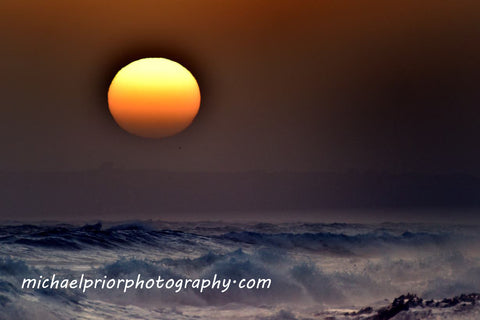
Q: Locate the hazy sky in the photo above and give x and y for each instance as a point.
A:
(286, 86)
(381, 94)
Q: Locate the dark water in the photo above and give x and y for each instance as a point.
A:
(316, 270)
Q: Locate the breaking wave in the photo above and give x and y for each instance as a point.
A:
(314, 268)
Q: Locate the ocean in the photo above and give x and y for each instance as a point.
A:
(316, 271)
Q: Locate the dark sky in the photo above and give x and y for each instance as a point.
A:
(287, 86)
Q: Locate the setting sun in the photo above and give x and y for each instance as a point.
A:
(154, 98)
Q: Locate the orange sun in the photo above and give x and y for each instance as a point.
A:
(154, 98)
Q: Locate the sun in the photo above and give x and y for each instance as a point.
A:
(154, 98)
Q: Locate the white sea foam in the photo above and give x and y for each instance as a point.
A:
(317, 270)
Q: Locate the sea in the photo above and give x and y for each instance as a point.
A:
(315, 270)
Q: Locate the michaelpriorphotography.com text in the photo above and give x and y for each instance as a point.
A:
(84, 283)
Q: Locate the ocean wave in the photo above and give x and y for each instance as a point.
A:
(84, 237)
(313, 267)
(68, 237)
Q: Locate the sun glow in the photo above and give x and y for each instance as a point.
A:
(154, 98)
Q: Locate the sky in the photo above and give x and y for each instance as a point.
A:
(343, 87)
